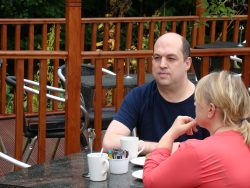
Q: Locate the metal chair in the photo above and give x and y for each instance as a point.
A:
(55, 124)
(14, 161)
(88, 93)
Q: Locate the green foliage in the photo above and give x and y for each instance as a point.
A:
(217, 8)
(32, 8)
(224, 7)
(9, 99)
(50, 47)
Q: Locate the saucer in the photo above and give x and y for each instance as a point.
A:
(138, 174)
(138, 161)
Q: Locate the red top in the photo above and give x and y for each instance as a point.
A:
(221, 160)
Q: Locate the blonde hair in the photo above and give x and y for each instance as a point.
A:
(228, 93)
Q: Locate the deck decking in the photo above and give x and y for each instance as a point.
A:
(7, 133)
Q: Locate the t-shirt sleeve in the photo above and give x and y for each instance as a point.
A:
(180, 169)
(129, 110)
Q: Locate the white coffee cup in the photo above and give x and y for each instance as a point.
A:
(98, 166)
(131, 144)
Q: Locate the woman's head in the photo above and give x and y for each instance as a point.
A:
(228, 93)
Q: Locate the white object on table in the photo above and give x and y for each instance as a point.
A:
(98, 166)
(131, 144)
(138, 174)
(138, 161)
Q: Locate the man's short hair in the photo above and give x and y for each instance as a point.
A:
(185, 48)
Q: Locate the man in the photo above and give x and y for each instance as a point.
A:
(153, 107)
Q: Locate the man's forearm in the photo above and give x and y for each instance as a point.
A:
(113, 143)
(148, 146)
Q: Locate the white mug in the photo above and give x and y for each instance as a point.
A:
(98, 166)
(131, 144)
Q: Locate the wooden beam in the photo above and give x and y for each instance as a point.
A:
(201, 27)
(73, 73)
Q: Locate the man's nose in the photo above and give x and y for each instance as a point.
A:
(163, 62)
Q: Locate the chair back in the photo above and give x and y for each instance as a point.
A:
(86, 93)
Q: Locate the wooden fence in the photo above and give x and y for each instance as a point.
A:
(105, 42)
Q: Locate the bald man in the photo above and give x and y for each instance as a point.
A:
(153, 107)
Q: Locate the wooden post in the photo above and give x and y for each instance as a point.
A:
(73, 76)
(246, 62)
(201, 28)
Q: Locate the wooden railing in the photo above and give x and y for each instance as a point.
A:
(115, 36)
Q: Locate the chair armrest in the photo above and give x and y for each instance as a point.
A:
(14, 161)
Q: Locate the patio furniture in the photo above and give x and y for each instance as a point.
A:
(2, 146)
(14, 161)
(55, 124)
(68, 172)
(216, 62)
(88, 94)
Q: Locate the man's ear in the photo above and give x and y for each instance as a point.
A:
(188, 62)
(211, 110)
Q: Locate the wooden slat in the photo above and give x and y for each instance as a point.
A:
(83, 36)
(226, 63)
(42, 100)
(140, 36)
(184, 29)
(42, 112)
(150, 44)
(3, 70)
(19, 98)
(193, 36)
(151, 35)
(98, 105)
(236, 31)
(119, 83)
(140, 63)
(116, 66)
(129, 35)
(205, 66)
(163, 27)
(224, 30)
(18, 106)
(128, 43)
(56, 64)
(212, 31)
(30, 66)
(173, 29)
(93, 38)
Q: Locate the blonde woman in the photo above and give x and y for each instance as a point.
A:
(221, 160)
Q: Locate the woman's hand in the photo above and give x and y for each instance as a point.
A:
(182, 125)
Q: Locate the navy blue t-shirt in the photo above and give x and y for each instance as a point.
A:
(145, 109)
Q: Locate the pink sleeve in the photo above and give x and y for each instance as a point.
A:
(181, 169)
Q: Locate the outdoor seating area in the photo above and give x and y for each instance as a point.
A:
(58, 103)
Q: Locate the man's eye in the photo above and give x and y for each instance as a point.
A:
(157, 57)
(171, 59)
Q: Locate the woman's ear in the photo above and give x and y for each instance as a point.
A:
(211, 110)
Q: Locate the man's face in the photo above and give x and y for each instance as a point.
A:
(168, 65)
